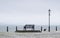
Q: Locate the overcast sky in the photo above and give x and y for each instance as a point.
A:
(22, 12)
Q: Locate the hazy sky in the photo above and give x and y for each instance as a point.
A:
(29, 12)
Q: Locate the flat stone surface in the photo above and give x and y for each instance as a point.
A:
(30, 35)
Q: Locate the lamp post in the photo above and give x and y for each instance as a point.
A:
(49, 20)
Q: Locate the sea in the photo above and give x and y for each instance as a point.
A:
(12, 28)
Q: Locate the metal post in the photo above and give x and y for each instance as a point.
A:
(56, 28)
(7, 28)
(16, 28)
(41, 28)
(49, 20)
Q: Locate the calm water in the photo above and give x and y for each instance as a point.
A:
(12, 28)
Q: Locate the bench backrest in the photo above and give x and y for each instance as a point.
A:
(29, 26)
